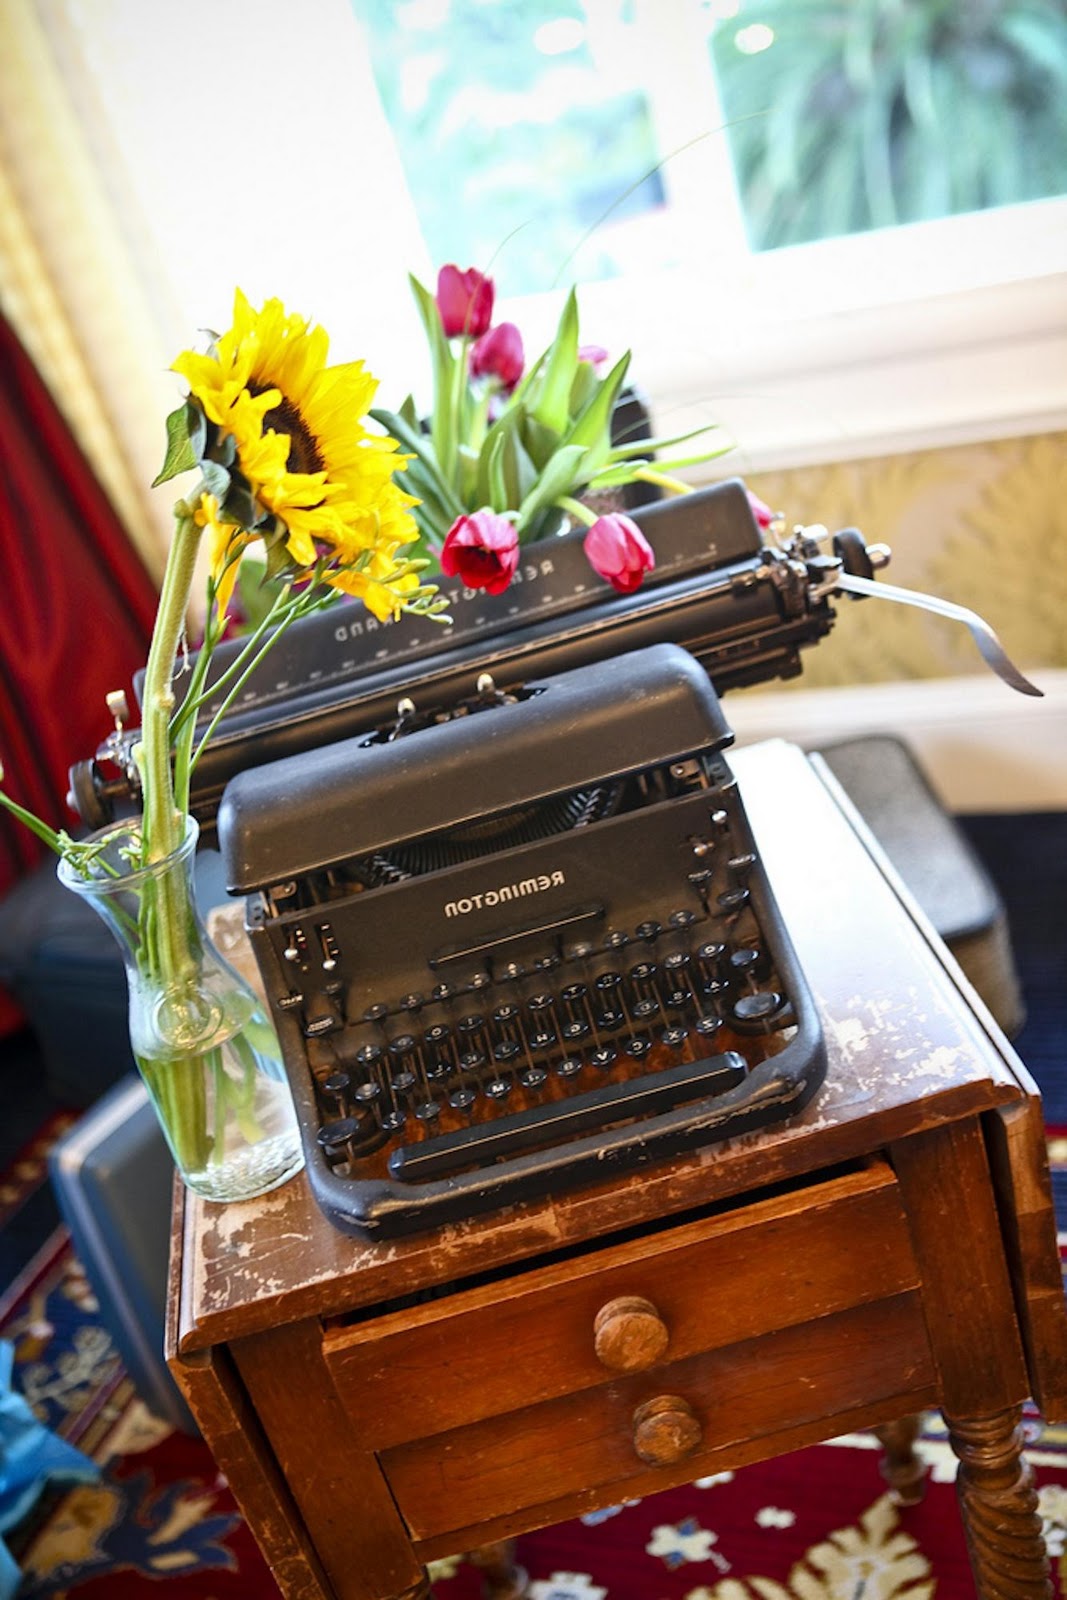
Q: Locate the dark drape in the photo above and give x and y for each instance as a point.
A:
(76, 607)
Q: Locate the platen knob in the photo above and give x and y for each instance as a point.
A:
(666, 1430)
(629, 1335)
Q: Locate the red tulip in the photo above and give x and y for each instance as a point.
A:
(465, 301)
(499, 354)
(482, 550)
(616, 548)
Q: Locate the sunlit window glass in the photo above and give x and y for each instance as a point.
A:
(524, 132)
(847, 115)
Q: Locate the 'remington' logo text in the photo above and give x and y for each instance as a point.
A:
(507, 891)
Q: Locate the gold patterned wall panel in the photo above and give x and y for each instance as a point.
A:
(981, 524)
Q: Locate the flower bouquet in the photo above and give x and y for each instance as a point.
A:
(285, 463)
(513, 454)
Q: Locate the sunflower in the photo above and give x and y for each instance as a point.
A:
(297, 426)
(226, 542)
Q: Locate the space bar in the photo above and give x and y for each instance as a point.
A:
(554, 1123)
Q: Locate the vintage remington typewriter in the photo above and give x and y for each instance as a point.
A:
(510, 917)
(481, 997)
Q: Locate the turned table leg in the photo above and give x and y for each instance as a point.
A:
(998, 1503)
(901, 1467)
(503, 1579)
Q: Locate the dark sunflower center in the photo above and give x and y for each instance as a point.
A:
(304, 454)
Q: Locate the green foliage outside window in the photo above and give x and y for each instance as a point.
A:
(847, 115)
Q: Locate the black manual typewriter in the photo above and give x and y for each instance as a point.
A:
(480, 1000)
(506, 905)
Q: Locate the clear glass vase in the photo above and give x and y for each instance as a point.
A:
(207, 1052)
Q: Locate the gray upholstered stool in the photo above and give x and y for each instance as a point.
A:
(892, 795)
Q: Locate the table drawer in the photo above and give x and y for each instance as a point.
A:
(589, 1443)
(639, 1305)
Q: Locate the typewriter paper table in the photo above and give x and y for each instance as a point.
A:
(893, 1248)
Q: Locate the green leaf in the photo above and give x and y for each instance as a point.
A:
(442, 419)
(498, 494)
(557, 478)
(552, 397)
(648, 447)
(593, 428)
(541, 442)
(215, 479)
(421, 446)
(186, 437)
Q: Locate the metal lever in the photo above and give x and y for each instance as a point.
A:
(992, 651)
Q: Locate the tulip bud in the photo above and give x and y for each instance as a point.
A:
(482, 550)
(760, 510)
(465, 301)
(499, 354)
(616, 548)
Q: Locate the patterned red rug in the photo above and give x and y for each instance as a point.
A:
(817, 1525)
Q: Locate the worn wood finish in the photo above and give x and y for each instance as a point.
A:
(714, 1282)
(809, 1279)
(231, 1429)
(901, 1466)
(970, 1314)
(1018, 1155)
(998, 1503)
(746, 1391)
(338, 1486)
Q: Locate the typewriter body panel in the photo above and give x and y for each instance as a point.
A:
(520, 947)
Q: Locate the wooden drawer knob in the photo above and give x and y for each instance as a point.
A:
(629, 1334)
(665, 1430)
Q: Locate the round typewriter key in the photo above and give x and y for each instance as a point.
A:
(641, 1010)
(611, 1019)
(574, 1030)
(393, 1121)
(732, 901)
(375, 1013)
(608, 983)
(367, 1093)
(403, 1082)
(506, 1013)
(649, 931)
(757, 1007)
(743, 961)
(442, 992)
(428, 1111)
(605, 1057)
(707, 1027)
(683, 918)
(570, 1067)
(472, 1060)
(740, 866)
(511, 971)
(533, 1077)
(580, 950)
(674, 1038)
(573, 992)
(480, 980)
(498, 1089)
(333, 1136)
(336, 1087)
(616, 940)
(462, 1099)
(542, 1040)
(639, 1046)
(412, 1002)
(506, 1051)
(546, 963)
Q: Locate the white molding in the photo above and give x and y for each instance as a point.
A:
(983, 747)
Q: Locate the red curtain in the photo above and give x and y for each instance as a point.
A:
(76, 609)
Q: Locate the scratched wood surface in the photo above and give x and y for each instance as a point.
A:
(904, 1053)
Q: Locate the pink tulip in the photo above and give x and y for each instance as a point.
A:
(616, 548)
(499, 354)
(760, 510)
(595, 354)
(482, 550)
(465, 301)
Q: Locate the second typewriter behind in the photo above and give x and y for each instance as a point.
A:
(520, 944)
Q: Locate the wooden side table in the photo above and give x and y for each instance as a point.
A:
(893, 1248)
